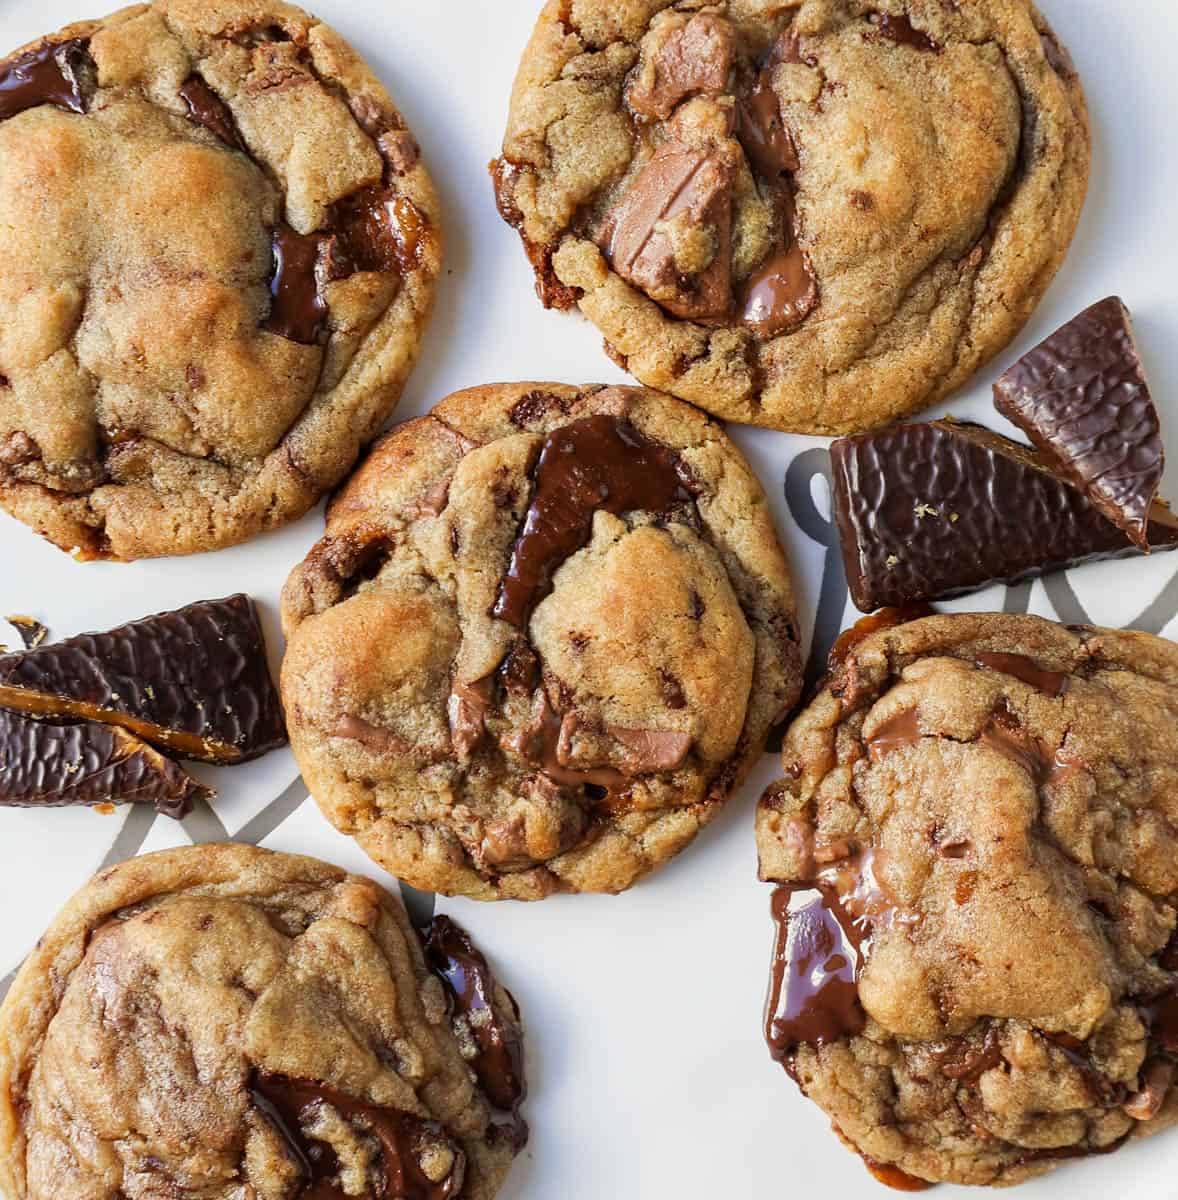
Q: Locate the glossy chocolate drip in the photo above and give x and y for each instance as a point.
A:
(290, 1105)
(814, 990)
(767, 143)
(499, 1061)
(54, 74)
(297, 310)
(886, 618)
(1050, 683)
(901, 31)
(599, 462)
(1005, 735)
(206, 108)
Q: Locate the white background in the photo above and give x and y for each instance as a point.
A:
(648, 1074)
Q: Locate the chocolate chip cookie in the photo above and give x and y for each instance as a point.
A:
(543, 641)
(815, 215)
(976, 970)
(218, 246)
(226, 1022)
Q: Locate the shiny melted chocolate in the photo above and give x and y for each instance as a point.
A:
(206, 108)
(783, 291)
(297, 309)
(290, 1105)
(53, 74)
(814, 987)
(499, 1061)
(1050, 683)
(901, 31)
(599, 462)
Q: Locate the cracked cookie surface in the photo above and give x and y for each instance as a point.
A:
(544, 639)
(815, 215)
(219, 245)
(224, 1021)
(976, 973)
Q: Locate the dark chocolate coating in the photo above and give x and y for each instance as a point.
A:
(50, 765)
(195, 682)
(596, 463)
(289, 1105)
(933, 510)
(499, 1063)
(55, 73)
(1083, 400)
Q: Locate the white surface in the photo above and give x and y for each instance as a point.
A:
(648, 1074)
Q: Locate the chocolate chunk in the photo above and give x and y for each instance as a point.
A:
(814, 990)
(545, 744)
(298, 311)
(693, 59)
(377, 230)
(650, 750)
(195, 682)
(1050, 683)
(895, 734)
(499, 1058)
(671, 232)
(291, 1106)
(901, 31)
(943, 508)
(31, 631)
(467, 712)
(47, 764)
(58, 73)
(206, 108)
(599, 462)
(780, 294)
(767, 143)
(1083, 400)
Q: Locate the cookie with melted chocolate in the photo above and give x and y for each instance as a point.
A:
(697, 183)
(218, 246)
(974, 972)
(226, 1021)
(543, 640)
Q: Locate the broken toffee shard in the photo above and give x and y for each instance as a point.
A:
(1083, 400)
(926, 511)
(194, 682)
(50, 765)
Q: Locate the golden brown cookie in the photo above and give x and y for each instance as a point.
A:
(543, 641)
(815, 215)
(976, 847)
(218, 246)
(226, 1022)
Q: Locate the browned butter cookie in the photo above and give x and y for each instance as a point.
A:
(976, 968)
(218, 245)
(815, 215)
(227, 1022)
(542, 642)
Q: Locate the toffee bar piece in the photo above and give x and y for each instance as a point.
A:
(927, 511)
(417, 1158)
(195, 682)
(1083, 400)
(44, 764)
